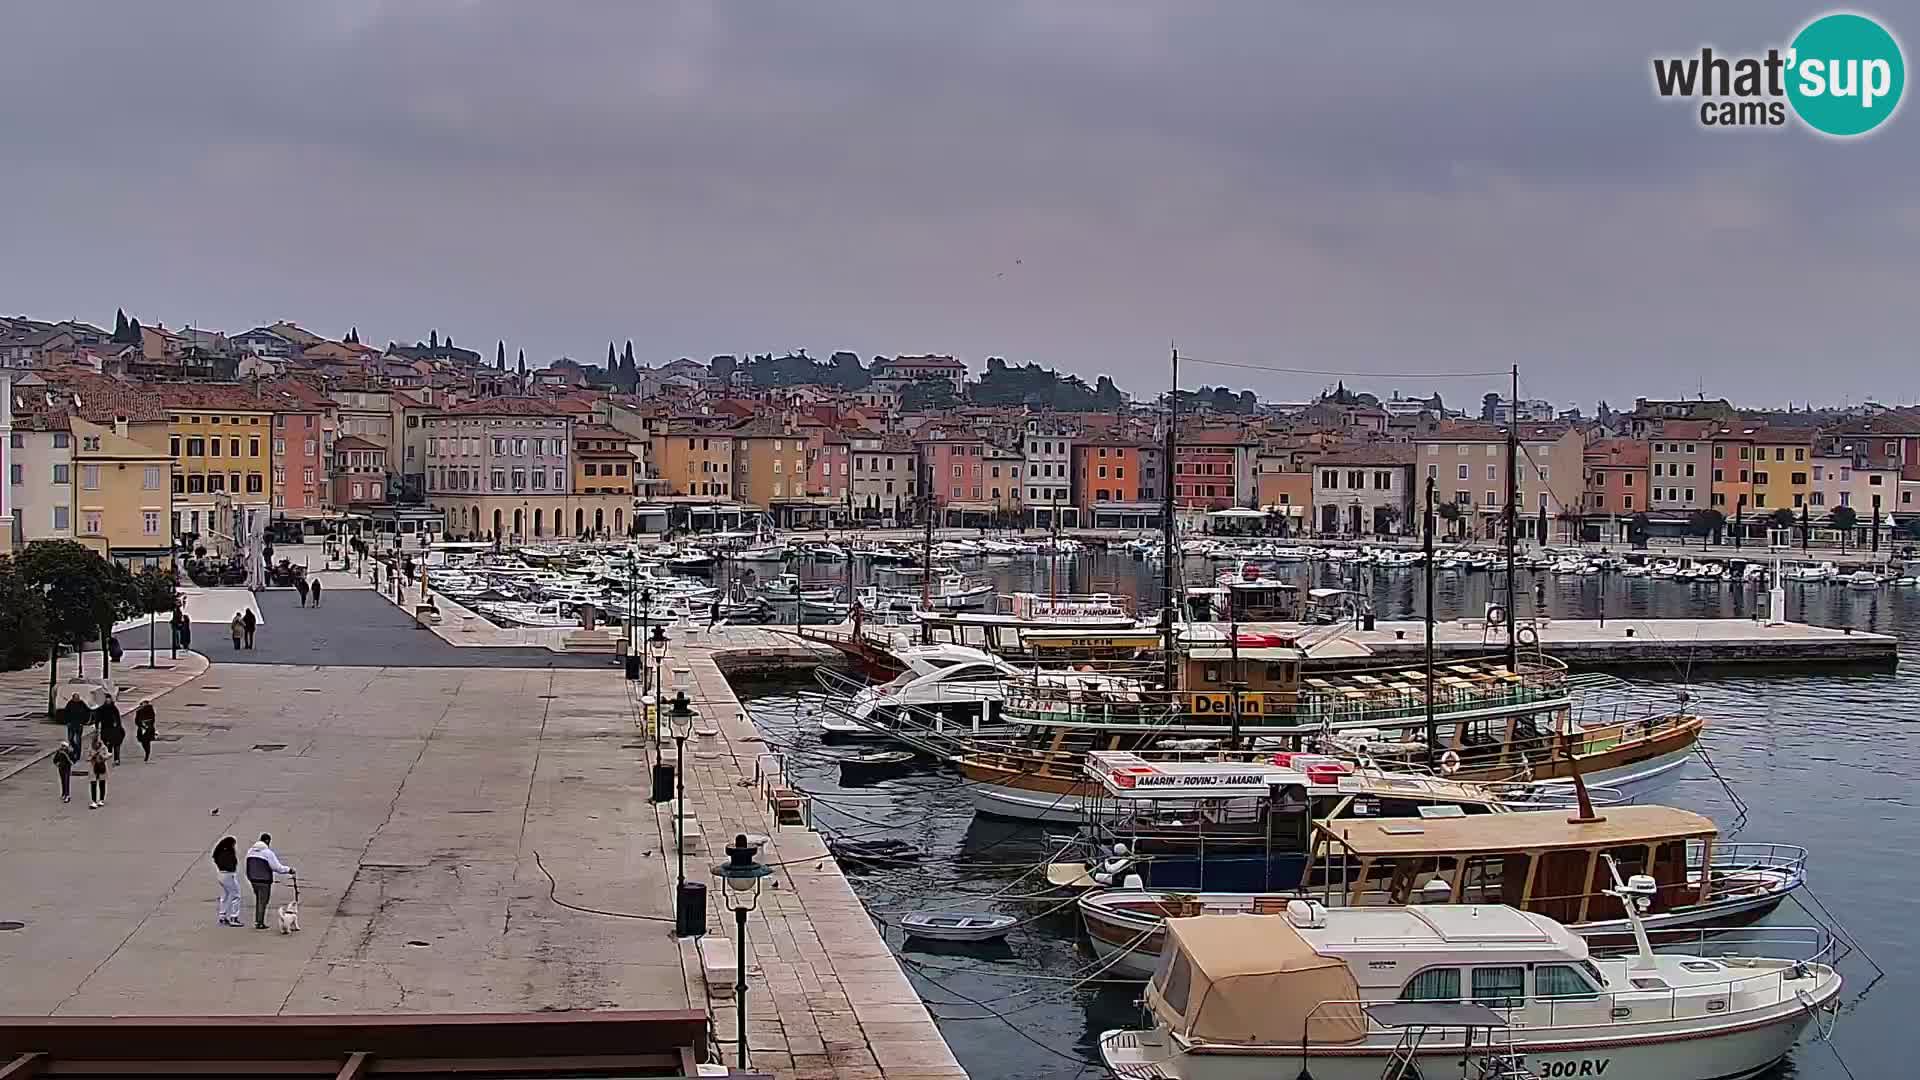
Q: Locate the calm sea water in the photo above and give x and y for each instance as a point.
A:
(1823, 759)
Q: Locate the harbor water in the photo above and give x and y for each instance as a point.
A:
(1827, 759)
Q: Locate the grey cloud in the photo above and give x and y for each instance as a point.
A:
(1389, 187)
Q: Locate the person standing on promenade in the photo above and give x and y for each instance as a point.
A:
(75, 715)
(63, 763)
(316, 592)
(97, 781)
(182, 629)
(226, 909)
(262, 864)
(249, 623)
(113, 731)
(143, 718)
(239, 628)
(300, 586)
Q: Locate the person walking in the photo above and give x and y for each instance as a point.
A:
(182, 629)
(239, 629)
(143, 719)
(113, 731)
(262, 864)
(316, 592)
(226, 861)
(75, 715)
(97, 781)
(713, 614)
(63, 764)
(300, 586)
(249, 623)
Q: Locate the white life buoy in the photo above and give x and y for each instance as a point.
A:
(1496, 615)
(1527, 635)
(1449, 763)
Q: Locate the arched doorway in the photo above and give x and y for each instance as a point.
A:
(617, 526)
(1329, 520)
(579, 521)
(496, 523)
(518, 522)
(539, 517)
(476, 520)
(599, 522)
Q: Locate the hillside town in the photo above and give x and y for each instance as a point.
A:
(139, 440)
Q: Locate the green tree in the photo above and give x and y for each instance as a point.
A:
(1450, 513)
(1706, 523)
(23, 619)
(156, 591)
(1844, 518)
(119, 324)
(82, 594)
(929, 396)
(500, 355)
(1637, 528)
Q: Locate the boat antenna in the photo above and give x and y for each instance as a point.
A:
(1513, 515)
(1172, 550)
(1433, 725)
(1636, 896)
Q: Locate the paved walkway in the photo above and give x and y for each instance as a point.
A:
(413, 801)
(358, 628)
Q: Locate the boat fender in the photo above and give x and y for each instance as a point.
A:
(1449, 763)
(1527, 635)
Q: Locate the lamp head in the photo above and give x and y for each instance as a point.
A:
(682, 708)
(741, 874)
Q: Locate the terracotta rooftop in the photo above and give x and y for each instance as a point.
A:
(509, 406)
(355, 442)
(1624, 453)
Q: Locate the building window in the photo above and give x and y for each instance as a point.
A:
(60, 518)
(62, 474)
(151, 522)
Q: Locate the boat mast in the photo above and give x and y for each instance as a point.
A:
(1433, 727)
(1171, 554)
(926, 559)
(1513, 515)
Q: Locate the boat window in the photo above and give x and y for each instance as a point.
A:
(1593, 972)
(976, 673)
(1561, 981)
(1433, 984)
(1174, 978)
(1500, 987)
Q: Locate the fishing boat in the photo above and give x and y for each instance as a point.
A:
(1534, 860)
(952, 592)
(958, 925)
(787, 588)
(1366, 993)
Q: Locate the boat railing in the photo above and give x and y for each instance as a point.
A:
(1753, 984)
(1729, 859)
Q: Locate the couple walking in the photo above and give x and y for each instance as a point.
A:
(261, 865)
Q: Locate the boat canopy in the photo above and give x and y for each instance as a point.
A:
(1252, 980)
(1531, 830)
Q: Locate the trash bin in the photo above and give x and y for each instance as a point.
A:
(690, 909)
(633, 666)
(662, 783)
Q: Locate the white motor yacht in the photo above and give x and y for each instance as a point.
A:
(1348, 994)
(941, 683)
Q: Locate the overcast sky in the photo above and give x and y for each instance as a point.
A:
(1370, 187)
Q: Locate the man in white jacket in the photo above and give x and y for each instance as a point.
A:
(262, 864)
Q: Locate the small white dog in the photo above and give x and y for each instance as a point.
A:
(290, 916)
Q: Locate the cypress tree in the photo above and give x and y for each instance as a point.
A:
(500, 355)
(612, 364)
(119, 324)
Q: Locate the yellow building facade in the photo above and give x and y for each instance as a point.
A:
(695, 462)
(123, 489)
(222, 445)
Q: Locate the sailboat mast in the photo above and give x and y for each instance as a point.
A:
(1433, 727)
(926, 560)
(1171, 552)
(1513, 515)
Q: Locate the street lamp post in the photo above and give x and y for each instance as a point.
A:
(646, 609)
(663, 773)
(682, 727)
(741, 875)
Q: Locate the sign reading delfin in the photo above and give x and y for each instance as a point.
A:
(1252, 703)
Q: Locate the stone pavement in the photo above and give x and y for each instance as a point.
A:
(413, 801)
(826, 998)
(26, 737)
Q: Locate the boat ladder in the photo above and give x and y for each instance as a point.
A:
(1502, 1061)
(1400, 1063)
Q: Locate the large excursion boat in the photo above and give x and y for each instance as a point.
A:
(1479, 720)
(942, 684)
(1365, 993)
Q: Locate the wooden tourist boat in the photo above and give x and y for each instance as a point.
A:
(1539, 861)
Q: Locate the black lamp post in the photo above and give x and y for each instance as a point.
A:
(741, 875)
(682, 727)
(662, 772)
(646, 608)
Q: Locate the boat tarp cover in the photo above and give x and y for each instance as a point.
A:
(1252, 980)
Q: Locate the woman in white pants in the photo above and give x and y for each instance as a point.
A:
(226, 861)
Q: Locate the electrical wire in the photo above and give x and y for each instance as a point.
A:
(553, 886)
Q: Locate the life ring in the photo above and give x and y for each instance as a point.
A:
(1496, 615)
(1449, 763)
(1527, 635)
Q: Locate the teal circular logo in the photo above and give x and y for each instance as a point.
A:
(1846, 74)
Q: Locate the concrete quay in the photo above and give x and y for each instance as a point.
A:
(1677, 644)
(472, 833)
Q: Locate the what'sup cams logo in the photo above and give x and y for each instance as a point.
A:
(1842, 76)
